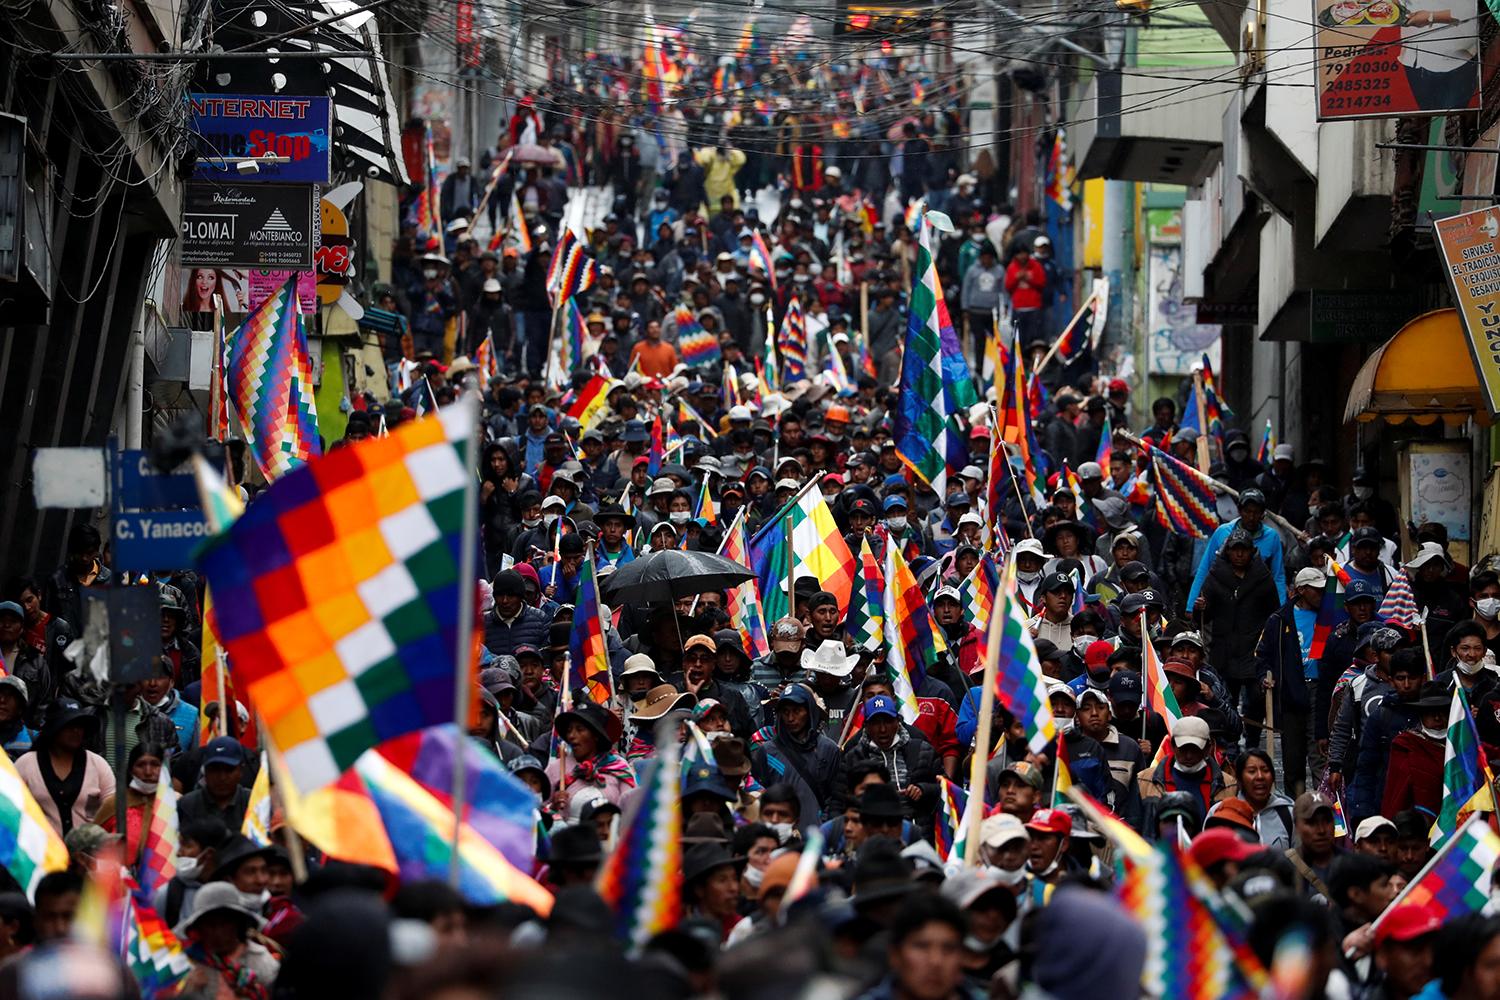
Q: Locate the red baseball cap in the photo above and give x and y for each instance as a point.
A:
(1051, 821)
(1098, 652)
(1118, 385)
(1218, 844)
(1407, 922)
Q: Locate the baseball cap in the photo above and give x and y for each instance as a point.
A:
(1366, 536)
(1053, 821)
(13, 608)
(1097, 653)
(224, 750)
(895, 503)
(882, 704)
(1000, 829)
(1309, 804)
(1283, 451)
(1369, 827)
(1029, 547)
(1188, 639)
(1192, 731)
(1219, 844)
(1311, 577)
(1054, 582)
(1407, 922)
(1252, 495)
(1090, 470)
(1027, 772)
(1125, 687)
(1231, 812)
(1361, 590)
(701, 642)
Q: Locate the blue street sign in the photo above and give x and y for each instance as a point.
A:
(141, 485)
(150, 540)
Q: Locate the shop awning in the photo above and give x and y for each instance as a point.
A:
(1423, 374)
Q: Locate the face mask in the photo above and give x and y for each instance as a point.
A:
(1487, 607)
(757, 300)
(972, 943)
(1435, 734)
(255, 900)
(549, 519)
(143, 787)
(1195, 769)
(680, 516)
(1028, 577)
(531, 522)
(187, 867)
(896, 523)
(1470, 669)
(753, 875)
(783, 831)
(1082, 643)
(1064, 726)
(429, 274)
(1006, 876)
(1364, 492)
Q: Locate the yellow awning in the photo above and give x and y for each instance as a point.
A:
(1424, 373)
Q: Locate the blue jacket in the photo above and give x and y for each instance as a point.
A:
(1267, 543)
(1279, 653)
(184, 717)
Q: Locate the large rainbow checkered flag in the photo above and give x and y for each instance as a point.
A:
(29, 847)
(743, 604)
(1456, 881)
(865, 623)
(1192, 952)
(791, 343)
(1467, 781)
(912, 637)
(339, 594)
(1020, 684)
(270, 386)
(573, 270)
(588, 653)
(937, 387)
(641, 879)
(1184, 496)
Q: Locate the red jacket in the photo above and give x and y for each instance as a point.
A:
(1414, 777)
(1029, 297)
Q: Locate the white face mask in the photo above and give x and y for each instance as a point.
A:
(757, 300)
(753, 875)
(187, 867)
(1470, 669)
(895, 523)
(531, 522)
(1006, 876)
(680, 516)
(1364, 492)
(550, 519)
(1064, 726)
(256, 900)
(143, 787)
(1487, 607)
(1028, 578)
(783, 831)
(1195, 769)
(1436, 734)
(1082, 643)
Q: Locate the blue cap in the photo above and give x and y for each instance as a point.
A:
(891, 503)
(956, 498)
(882, 704)
(1125, 687)
(1361, 589)
(13, 608)
(895, 479)
(635, 430)
(224, 750)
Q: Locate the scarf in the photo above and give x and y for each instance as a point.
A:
(64, 791)
(597, 770)
(240, 980)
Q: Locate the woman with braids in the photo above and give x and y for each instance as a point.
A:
(590, 733)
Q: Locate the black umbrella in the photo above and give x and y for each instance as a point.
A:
(672, 573)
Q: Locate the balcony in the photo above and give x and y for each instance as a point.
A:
(1128, 131)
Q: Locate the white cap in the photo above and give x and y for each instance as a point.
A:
(1000, 829)
(971, 518)
(1191, 731)
(788, 484)
(1373, 825)
(971, 472)
(1028, 546)
(1428, 552)
(554, 501)
(1090, 470)
(638, 663)
(1310, 576)
(740, 412)
(1282, 451)
(662, 487)
(491, 285)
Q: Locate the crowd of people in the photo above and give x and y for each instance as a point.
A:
(811, 748)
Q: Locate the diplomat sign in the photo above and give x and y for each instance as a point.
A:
(250, 225)
(1470, 245)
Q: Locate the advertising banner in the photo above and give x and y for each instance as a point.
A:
(240, 289)
(231, 128)
(1388, 58)
(250, 225)
(1471, 259)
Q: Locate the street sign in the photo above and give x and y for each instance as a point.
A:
(228, 128)
(151, 540)
(250, 225)
(142, 485)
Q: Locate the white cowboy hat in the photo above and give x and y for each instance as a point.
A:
(829, 659)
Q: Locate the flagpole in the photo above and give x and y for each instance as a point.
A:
(296, 854)
(1203, 461)
(599, 610)
(981, 756)
(1057, 344)
(465, 634)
